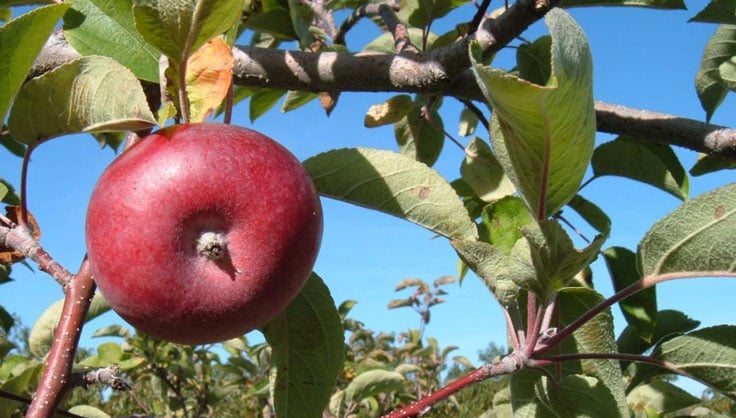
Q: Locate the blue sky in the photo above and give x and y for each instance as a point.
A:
(642, 58)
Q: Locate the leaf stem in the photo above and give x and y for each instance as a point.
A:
(635, 287)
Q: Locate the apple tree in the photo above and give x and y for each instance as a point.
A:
(134, 74)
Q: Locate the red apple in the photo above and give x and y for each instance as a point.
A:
(200, 233)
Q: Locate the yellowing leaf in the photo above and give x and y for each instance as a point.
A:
(209, 74)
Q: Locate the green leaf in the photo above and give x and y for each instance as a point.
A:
(702, 225)
(88, 411)
(717, 11)
(296, 99)
(654, 164)
(275, 22)
(42, 333)
(385, 43)
(481, 170)
(468, 122)
(100, 27)
(300, 24)
(554, 257)
(502, 222)
(596, 336)
(420, 13)
(656, 4)
(533, 60)
(420, 134)
(708, 354)
(307, 348)
(525, 400)
(710, 163)
(388, 112)
(544, 135)
(719, 51)
(659, 396)
(22, 39)
(371, 383)
(89, 94)
(497, 270)
(394, 184)
(639, 309)
(23, 381)
(577, 396)
(592, 214)
(6, 320)
(262, 101)
(179, 27)
(10, 144)
(669, 323)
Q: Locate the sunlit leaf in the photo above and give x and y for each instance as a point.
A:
(710, 163)
(497, 270)
(373, 382)
(577, 396)
(22, 39)
(654, 164)
(502, 221)
(554, 257)
(708, 354)
(394, 184)
(296, 99)
(88, 94)
(703, 225)
(307, 348)
(544, 135)
(591, 213)
(468, 122)
(482, 171)
(669, 323)
(390, 111)
(719, 52)
(659, 396)
(100, 27)
(639, 309)
(209, 75)
(262, 101)
(88, 411)
(179, 27)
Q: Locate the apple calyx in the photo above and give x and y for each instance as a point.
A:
(213, 246)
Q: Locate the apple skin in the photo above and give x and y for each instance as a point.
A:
(155, 204)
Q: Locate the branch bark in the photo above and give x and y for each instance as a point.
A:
(444, 71)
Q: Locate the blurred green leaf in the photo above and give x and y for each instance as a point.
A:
(88, 411)
(394, 184)
(654, 164)
(88, 94)
(702, 225)
(100, 27)
(659, 396)
(719, 52)
(578, 396)
(544, 135)
(263, 100)
(639, 309)
(42, 333)
(371, 383)
(307, 348)
(385, 43)
(10, 144)
(6, 320)
(22, 39)
(296, 99)
(591, 213)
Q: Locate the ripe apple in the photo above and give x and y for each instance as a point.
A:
(200, 233)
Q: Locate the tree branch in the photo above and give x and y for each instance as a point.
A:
(443, 72)
(59, 362)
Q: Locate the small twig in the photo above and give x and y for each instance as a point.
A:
(324, 17)
(109, 376)
(633, 288)
(60, 359)
(478, 17)
(506, 365)
(21, 239)
(359, 13)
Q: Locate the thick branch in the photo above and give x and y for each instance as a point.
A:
(445, 72)
(58, 370)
